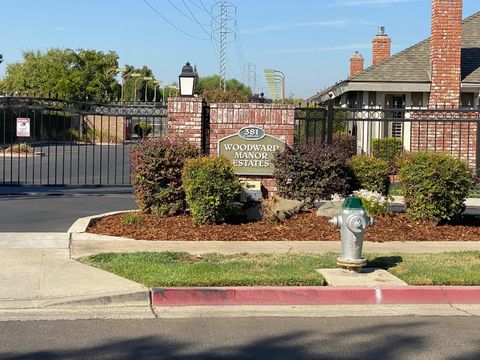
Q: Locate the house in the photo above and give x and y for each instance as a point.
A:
(417, 85)
(443, 70)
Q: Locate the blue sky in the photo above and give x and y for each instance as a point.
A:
(310, 40)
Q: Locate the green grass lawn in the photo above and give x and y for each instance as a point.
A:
(169, 269)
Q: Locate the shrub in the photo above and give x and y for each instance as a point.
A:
(371, 173)
(346, 144)
(157, 165)
(388, 149)
(142, 129)
(131, 219)
(20, 148)
(211, 187)
(268, 207)
(375, 203)
(311, 173)
(435, 186)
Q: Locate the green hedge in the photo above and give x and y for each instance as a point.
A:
(388, 149)
(435, 186)
(211, 187)
(371, 173)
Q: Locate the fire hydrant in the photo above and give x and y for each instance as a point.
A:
(352, 221)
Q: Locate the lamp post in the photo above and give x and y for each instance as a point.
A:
(135, 90)
(147, 79)
(155, 84)
(187, 80)
(135, 75)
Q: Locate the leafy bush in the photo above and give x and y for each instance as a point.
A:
(346, 144)
(371, 173)
(310, 173)
(375, 203)
(211, 187)
(142, 129)
(435, 186)
(388, 149)
(157, 165)
(20, 148)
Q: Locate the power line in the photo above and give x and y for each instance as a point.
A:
(172, 24)
(180, 10)
(209, 33)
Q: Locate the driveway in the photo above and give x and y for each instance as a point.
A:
(55, 209)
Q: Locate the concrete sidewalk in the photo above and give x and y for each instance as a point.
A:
(38, 273)
(85, 244)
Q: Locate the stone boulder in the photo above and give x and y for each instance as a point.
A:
(329, 208)
(285, 209)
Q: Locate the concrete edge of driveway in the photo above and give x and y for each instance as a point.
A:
(81, 225)
(315, 295)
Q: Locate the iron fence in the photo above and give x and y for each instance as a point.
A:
(72, 142)
(388, 132)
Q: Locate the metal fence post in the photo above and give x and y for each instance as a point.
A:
(330, 122)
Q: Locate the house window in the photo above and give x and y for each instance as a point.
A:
(355, 99)
(467, 100)
(417, 99)
(372, 98)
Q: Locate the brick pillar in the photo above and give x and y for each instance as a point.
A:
(445, 53)
(381, 47)
(356, 64)
(185, 118)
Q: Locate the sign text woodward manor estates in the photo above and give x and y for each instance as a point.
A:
(251, 151)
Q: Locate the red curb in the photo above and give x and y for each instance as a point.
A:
(314, 295)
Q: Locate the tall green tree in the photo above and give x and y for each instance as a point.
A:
(66, 73)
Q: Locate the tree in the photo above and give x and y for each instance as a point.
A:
(209, 88)
(66, 73)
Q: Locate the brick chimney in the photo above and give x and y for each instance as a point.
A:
(356, 64)
(446, 52)
(381, 46)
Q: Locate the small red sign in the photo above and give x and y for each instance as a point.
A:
(23, 127)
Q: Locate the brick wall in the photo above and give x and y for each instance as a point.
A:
(227, 119)
(185, 118)
(455, 138)
(357, 63)
(445, 52)
(381, 48)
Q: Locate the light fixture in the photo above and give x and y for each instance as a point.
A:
(187, 80)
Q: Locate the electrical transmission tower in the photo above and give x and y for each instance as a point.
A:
(224, 17)
(251, 71)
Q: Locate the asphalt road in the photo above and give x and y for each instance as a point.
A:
(68, 164)
(55, 209)
(449, 338)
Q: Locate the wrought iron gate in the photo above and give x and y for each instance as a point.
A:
(56, 142)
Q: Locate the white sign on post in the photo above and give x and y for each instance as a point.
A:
(23, 127)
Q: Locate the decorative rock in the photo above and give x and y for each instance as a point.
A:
(285, 209)
(329, 208)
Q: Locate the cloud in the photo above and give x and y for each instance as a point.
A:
(58, 28)
(369, 3)
(320, 49)
(298, 25)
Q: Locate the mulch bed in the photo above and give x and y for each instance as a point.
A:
(302, 227)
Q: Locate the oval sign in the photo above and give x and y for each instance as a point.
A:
(251, 133)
